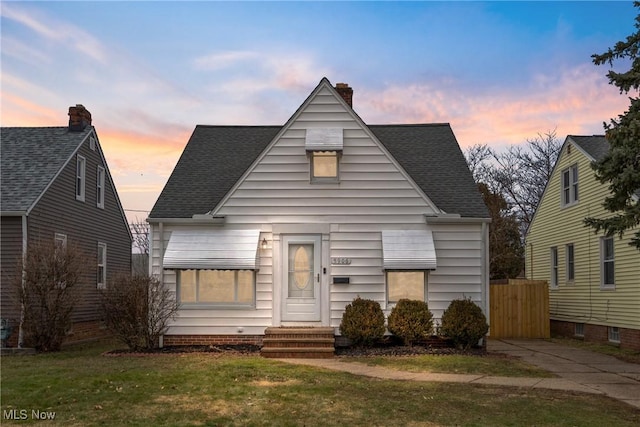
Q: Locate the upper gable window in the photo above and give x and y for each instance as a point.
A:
(324, 146)
(81, 166)
(324, 165)
(570, 185)
(92, 143)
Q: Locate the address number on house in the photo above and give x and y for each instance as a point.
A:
(340, 261)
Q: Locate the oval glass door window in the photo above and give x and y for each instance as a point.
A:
(301, 271)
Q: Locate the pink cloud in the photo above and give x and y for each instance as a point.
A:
(575, 101)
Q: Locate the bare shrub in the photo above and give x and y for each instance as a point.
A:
(47, 284)
(137, 310)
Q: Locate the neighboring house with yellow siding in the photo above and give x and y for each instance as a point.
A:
(594, 280)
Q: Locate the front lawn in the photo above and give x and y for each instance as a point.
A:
(82, 387)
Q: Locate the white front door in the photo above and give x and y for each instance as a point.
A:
(302, 278)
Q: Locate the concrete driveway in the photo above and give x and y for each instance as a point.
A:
(602, 373)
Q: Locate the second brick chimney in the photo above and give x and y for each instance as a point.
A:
(345, 92)
(79, 118)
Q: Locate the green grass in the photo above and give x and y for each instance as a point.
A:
(626, 355)
(85, 388)
(456, 364)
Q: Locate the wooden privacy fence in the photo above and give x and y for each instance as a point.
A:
(519, 308)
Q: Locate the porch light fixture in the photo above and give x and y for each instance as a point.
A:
(264, 243)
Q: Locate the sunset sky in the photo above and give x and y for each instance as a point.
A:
(149, 72)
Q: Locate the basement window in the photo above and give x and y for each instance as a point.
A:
(579, 330)
(614, 334)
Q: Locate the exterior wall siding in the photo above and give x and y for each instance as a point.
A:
(373, 194)
(10, 253)
(85, 225)
(582, 300)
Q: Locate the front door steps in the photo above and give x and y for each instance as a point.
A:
(298, 342)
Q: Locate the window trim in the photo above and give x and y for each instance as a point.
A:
(425, 276)
(214, 305)
(81, 177)
(554, 267)
(101, 284)
(570, 248)
(603, 261)
(569, 186)
(324, 179)
(100, 178)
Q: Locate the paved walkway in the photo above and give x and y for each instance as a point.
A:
(577, 370)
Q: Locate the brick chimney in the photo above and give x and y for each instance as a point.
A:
(345, 92)
(79, 118)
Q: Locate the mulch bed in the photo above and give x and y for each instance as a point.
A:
(389, 346)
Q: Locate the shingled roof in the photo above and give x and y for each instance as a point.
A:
(30, 158)
(217, 156)
(596, 146)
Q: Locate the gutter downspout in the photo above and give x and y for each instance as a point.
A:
(161, 262)
(24, 254)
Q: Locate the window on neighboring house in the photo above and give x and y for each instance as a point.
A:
(81, 164)
(100, 188)
(407, 285)
(60, 240)
(92, 143)
(324, 166)
(570, 185)
(607, 262)
(554, 267)
(102, 266)
(571, 269)
(579, 330)
(217, 287)
(614, 334)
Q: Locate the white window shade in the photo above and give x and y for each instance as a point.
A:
(408, 250)
(212, 250)
(324, 139)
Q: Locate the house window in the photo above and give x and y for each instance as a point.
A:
(92, 143)
(607, 262)
(406, 285)
(571, 269)
(324, 166)
(614, 334)
(579, 330)
(554, 267)
(60, 240)
(223, 287)
(102, 265)
(570, 185)
(100, 188)
(81, 164)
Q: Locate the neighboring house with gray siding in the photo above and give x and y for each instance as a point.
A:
(56, 185)
(262, 226)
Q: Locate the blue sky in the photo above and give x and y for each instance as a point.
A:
(499, 72)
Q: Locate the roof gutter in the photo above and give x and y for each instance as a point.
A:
(196, 219)
(454, 218)
(13, 213)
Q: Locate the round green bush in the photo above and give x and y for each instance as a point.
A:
(363, 322)
(411, 320)
(464, 323)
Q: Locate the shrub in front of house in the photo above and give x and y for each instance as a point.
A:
(464, 323)
(137, 309)
(363, 322)
(411, 320)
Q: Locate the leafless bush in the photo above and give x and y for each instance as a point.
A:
(47, 286)
(137, 309)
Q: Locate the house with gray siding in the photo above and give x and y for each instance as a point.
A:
(56, 186)
(263, 227)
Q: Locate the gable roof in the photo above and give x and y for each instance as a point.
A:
(30, 158)
(595, 146)
(216, 157)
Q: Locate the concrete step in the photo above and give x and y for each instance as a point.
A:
(296, 342)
